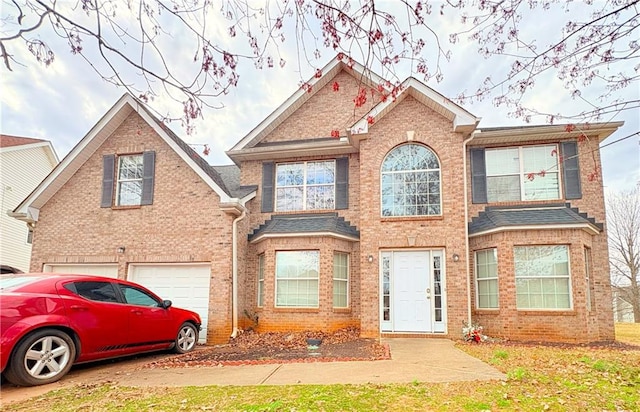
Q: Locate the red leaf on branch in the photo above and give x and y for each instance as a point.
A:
(570, 128)
(582, 137)
(318, 74)
(306, 87)
(335, 133)
(370, 119)
(542, 173)
(361, 98)
(206, 150)
(531, 176)
(336, 86)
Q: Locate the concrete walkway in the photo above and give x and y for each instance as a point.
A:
(413, 360)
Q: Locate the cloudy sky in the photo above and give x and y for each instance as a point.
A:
(61, 103)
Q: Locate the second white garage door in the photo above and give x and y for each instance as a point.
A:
(186, 285)
(110, 271)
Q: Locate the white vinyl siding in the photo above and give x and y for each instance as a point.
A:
(23, 168)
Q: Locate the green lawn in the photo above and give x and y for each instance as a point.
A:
(538, 378)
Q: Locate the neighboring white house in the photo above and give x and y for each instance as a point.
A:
(622, 309)
(24, 163)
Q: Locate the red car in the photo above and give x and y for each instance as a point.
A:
(51, 321)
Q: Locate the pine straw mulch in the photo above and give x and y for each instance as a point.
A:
(251, 348)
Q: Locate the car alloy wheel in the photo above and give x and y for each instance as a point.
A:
(187, 338)
(42, 357)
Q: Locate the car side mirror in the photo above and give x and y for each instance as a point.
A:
(166, 304)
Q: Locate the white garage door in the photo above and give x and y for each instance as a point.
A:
(110, 271)
(187, 286)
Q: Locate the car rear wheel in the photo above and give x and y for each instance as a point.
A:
(187, 338)
(42, 357)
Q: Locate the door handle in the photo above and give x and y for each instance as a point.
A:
(79, 308)
(136, 312)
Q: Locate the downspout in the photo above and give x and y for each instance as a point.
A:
(234, 280)
(466, 224)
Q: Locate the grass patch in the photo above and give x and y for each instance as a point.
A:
(628, 333)
(539, 378)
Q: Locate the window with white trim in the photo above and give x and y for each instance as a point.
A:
(129, 180)
(487, 278)
(305, 185)
(340, 280)
(297, 278)
(542, 277)
(261, 280)
(522, 173)
(587, 275)
(411, 182)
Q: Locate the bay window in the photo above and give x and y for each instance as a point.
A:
(297, 278)
(542, 277)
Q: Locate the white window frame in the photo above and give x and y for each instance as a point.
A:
(120, 181)
(488, 279)
(550, 276)
(523, 174)
(306, 186)
(384, 173)
(260, 297)
(587, 275)
(341, 280)
(299, 280)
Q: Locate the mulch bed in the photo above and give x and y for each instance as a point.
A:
(251, 348)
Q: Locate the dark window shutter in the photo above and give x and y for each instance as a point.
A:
(148, 174)
(108, 173)
(571, 170)
(478, 176)
(342, 183)
(268, 169)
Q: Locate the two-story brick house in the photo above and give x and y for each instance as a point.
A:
(397, 215)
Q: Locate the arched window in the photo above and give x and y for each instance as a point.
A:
(411, 182)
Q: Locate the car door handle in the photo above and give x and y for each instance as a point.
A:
(79, 308)
(136, 311)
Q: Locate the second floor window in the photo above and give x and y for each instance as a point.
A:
(129, 186)
(522, 173)
(305, 186)
(411, 182)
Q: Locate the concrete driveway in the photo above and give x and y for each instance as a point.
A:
(412, 360)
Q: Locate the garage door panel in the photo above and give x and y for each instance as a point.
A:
(187, 286)
(107, 270)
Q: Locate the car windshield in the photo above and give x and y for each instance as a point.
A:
(9, 282)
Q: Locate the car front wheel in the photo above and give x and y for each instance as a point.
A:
(42, 357)
(187, 338)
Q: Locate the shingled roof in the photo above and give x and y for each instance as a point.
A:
(316, 224)
(495, 219)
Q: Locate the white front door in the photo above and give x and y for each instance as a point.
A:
(411, 281)
(412, 285)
